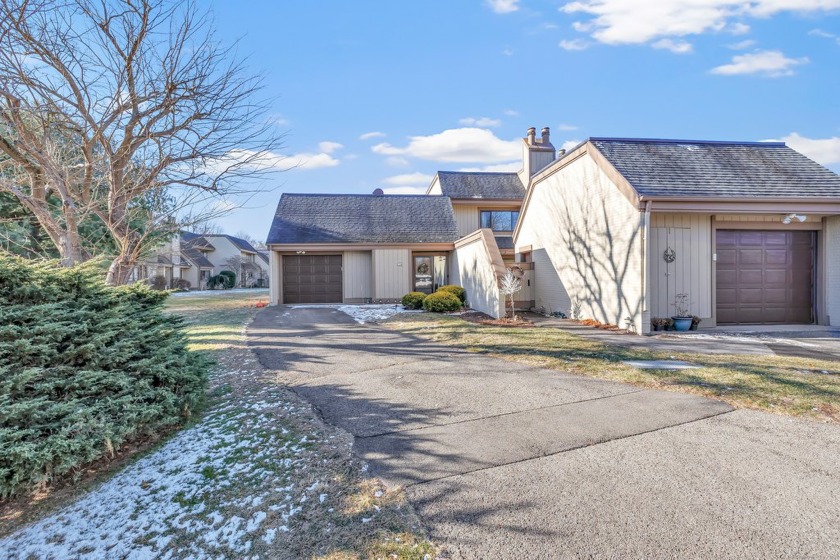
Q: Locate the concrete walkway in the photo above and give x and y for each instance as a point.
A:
(503, 460)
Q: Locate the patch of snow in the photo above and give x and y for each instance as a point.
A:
(367, 313)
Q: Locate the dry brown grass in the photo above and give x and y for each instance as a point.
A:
(794, 386)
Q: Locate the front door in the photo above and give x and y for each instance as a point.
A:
(429, 273)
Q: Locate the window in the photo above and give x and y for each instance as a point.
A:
(499, 220)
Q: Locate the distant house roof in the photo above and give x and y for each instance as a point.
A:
(240, 244)
(673, 168)
(327, 218)
(196, 241)
(263, 255)
(461, 184)
(196, 257)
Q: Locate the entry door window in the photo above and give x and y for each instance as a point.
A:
(430, 273)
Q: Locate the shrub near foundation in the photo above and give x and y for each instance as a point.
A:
(458, 291)
(442, 301)
(413, 300)
(84, 367)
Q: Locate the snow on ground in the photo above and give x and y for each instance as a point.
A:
(368, 313)
(762, 339)
(222, 488)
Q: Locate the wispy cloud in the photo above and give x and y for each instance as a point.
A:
(407, 179)
(328, 147)
(481, 122)
(742, 45)
(772, 64)
(825, 35)
(573, 44)
(467, 145)
(270, 161)
(374, 134)
(617, 22)
(678, 47)
(511, 112)
(566, 127)
(509, 167)
(406, 190)
(503, 6)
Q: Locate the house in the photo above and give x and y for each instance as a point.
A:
(616, 230)
(189, 260)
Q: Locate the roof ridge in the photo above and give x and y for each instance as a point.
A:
(362, 195)
(686, 141)
(479, 172)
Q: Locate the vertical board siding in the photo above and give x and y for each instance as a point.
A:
(466, 218)
(587, 241)
(358, 275)
(831, 252)
(391, 273)
(690, 236)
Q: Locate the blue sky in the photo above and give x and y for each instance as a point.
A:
(383, 94)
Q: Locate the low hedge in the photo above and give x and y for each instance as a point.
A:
(442, 301)
(459, 292)
(413, 300)
(84, 367)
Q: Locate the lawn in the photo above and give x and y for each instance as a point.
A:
(256, 474)
(787, 385)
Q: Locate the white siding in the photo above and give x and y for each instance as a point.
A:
(466, 217)
(690, 236)
(358, 275)
(831, 237)
(586, 240)
(478, 269)
(391, 273)
(276, 279)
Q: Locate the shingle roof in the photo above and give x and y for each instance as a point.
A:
(196, 241)
(196, 257)
(239, 243)
(326, 218)
(461, 184)
(717, 169)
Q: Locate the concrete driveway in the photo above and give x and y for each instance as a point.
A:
(503, 460)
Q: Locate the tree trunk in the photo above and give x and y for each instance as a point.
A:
(70, 246)
(119, 271)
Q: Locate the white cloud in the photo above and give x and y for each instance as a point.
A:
(741, 45)
(409, 179)
(618, 22)
(482, 122)
(406, 190)
(508, 52)
(825, 151)
(510, 167)
(503, 6)
(772, 64)
(566, 127)
(569, 144)
(573, 45)
(395, 161)
(465, 145)
(374, 134)
(825, 35)
(268, 161)
(329, 147)
(678, 47)
(511, 112)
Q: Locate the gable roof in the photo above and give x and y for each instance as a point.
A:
(196, 257)
(462, 184)
(196, 241)
(239, 243)
(330, 218)
(691, 168)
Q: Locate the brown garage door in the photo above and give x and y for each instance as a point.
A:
(764, 276)
(312, 279)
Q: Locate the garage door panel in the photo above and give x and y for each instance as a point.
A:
(312, 279)
(764, 276)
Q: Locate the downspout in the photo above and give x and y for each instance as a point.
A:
(646, 266)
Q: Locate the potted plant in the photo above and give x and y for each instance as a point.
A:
(695, 320)
(659, 323)
(683, 318)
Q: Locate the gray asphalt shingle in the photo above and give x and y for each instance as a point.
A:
(461, 184)
(329, 218)
(717, 169)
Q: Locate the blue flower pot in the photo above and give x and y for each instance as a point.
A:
(682, 323)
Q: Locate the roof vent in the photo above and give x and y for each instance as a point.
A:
(378, 192)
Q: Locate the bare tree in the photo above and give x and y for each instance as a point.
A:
(157, 106)
(241, 234)
(509, 285)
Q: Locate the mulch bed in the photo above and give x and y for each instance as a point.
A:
(485, 319)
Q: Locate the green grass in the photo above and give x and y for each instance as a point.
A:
(787, 385)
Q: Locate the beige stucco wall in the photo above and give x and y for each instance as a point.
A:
(466, 218)
(391, 273)
(358, 275)
(478, 264)
(586, 242)
(690, 236)
(831, 240)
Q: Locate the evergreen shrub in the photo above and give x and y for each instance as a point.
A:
(84, 368)
(442, 301)
(413, 300)
(459, 292)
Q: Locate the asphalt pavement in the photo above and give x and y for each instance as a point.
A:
(504, 460)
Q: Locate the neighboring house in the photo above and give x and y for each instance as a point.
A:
(612, 230)
(194, 258)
